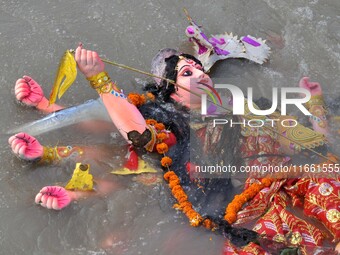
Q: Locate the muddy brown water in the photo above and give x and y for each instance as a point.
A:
(135, 219)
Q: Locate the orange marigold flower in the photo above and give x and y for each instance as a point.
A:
(182, 199)
(150, 96)
(173, 177)
(239, 199)
(238, 205)
(178, 192)
(187, 209)
(266, 182)
(167, 175)
(196, 220)
(166, 161)
(134, 99)
(230, 218)
(173, 184)
(142, 100)
(254, 189)
(162, 148)
(176, 189)
(242, 199)
(160, 126)
(177, 206)
(172, 181)
(185, 204)
(248, 194)
(151, 122)
(192, 214)
(162, 136)
(208, 224)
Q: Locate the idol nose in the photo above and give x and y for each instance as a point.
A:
(201, 75)
(203, 78)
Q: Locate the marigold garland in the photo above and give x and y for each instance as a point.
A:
(239, 200)
(166, 161)
(177, 191)
(162, 148)
(179, 194)
(184, 205)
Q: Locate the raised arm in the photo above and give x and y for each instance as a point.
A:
(124, 115)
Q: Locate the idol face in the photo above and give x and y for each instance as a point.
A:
(191, 76)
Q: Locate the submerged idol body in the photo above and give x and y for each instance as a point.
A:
(264, 202)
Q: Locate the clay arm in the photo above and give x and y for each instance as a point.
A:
(125, 116)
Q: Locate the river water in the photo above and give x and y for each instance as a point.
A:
(135, 219)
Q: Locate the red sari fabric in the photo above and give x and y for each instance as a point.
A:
(275, 207)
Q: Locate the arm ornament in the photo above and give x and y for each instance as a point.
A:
(56, 154)
(316, 106)
(102, 84)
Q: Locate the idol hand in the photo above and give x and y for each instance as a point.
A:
(88, 61)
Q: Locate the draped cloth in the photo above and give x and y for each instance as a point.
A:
(290, 211)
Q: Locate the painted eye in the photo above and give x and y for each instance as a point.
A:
(187, 73)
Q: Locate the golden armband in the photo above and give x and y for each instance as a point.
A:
(58, 153)
(316, 107)
(102, 83)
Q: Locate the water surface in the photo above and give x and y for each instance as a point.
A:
(136, 219)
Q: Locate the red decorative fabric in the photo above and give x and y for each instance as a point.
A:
(259, 204)
(255, 146)
(271, 224)
(132, 159)
(319, 198)
(322, 202)
(250, 249)
(171, 140)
